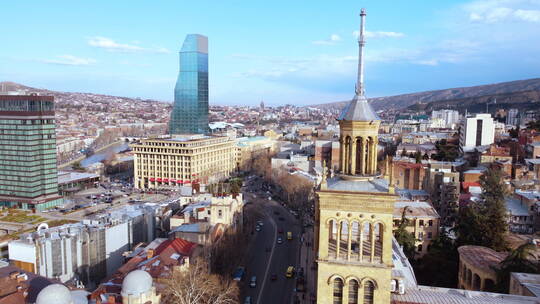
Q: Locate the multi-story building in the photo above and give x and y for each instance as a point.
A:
(409, 175)
(450, 118)
(476, 131)
(85, 252)
(512, 117)
(190, 110)
(248, 149)
(28, 152)
(327, 151)
(423, 222)
(182, 159)
(442, 183)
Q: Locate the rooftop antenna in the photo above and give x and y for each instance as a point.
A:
(360, 90)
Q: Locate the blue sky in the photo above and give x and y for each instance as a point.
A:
(299, 52)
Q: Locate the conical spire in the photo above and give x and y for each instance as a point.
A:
(359, 109)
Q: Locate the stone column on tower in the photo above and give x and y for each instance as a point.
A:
(353, 157)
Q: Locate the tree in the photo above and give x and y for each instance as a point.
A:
(77, 166)
(445, 151)
(534, 125)
(494, 208)
(514, 133)
(520, 259)
(197, 286)
(484, 223)
(405, 238)
(418, 157)
(439, 266)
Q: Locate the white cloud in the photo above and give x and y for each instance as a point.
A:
(379, 34)
(430, 62)
(111, 45)
(528, 15)
(69, 60)
(334, 38)
(495, 11)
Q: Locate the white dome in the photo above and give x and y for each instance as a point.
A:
(79, 296)
(136, 283)
(55, 293)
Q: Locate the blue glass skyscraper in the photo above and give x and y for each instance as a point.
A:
(190, 110)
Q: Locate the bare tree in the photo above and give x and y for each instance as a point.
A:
(197, 286)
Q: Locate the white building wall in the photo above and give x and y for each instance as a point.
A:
(22, 251)
(469, 131)
(116, 243)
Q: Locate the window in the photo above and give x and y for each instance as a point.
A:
(369, 290)
(421, 222)
(338, 291)
(429, 235)
(353, 292)
(420, 236)
(430, 223)
(220, 213)
(419, 248)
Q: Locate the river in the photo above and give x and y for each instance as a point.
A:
(104, 154)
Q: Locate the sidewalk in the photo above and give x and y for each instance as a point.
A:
(307, 257)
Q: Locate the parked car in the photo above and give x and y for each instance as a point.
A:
(253, 282)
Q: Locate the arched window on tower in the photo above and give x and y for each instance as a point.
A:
(353, 292)
(332, 238)
(343, 240)
(369, 292)
(378, 242)
(355, 240)
(338, 291)
(366, 242)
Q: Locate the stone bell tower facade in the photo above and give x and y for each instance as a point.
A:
(353, 230)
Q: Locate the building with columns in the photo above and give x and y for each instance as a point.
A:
(354, 211)
(182, 159)
(358, 259)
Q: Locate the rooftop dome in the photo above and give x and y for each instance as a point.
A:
(55, 293)
(136, 282)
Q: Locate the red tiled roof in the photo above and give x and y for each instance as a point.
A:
(179, 245)
(465, 185)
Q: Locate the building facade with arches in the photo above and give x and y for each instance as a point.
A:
(354, 211)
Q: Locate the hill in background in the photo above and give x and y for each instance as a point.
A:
(521, 94)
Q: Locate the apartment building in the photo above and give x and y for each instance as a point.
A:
(476, 131)
(182, 159)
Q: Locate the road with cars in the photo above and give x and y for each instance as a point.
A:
(270, 252)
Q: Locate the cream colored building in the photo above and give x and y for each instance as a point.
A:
(354, 213)
(249, 148)
(182, 159)
(423, 223)
(226, 210)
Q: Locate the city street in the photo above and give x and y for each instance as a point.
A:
(268, 260)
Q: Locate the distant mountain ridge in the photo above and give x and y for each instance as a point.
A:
(514, 91)
(67, 97)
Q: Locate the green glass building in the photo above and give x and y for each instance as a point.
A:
(28, 174)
